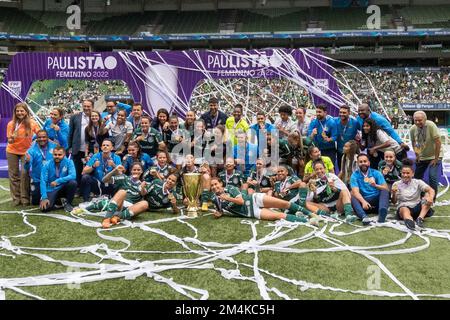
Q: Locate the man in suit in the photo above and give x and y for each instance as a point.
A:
(77, 143)
(214, 117)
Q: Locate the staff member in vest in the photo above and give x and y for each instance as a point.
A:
(99, 164)
(408, 193)
(58, 181)
(426, 142)
(347, 128)
(36, 157)
(369, 191)
(19, 132)
(57, 129)
(77, 136)
(214, 116)
(323, 132)
(235, 123)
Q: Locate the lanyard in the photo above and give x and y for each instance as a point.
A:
(283, 184)
(421, 136)
(105, 164)
(216, 119)
(168, 190)
(135, 125)
(324, 128)
(227, 177)
(57, 170)
(236, 123)
(43, 153)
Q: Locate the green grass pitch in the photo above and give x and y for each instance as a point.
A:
(422, 272)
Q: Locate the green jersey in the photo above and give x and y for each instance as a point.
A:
(165, 171)
(394, 173)
(263, 179)
(133, 188)
(284, 149)
(236, 179)
(245, 210)
(281, 185)
(156, 197)
(151, 141)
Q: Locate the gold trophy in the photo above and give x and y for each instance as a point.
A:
(192, 189)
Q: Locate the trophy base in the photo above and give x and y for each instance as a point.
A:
(192, 213)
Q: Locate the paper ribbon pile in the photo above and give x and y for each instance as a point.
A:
(113, 265)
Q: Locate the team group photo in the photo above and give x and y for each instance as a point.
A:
(225, 168)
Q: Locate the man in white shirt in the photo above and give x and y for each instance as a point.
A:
(408, 193)
(284, 123)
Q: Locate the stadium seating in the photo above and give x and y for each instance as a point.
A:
(437, 16)
(257, 20)
(190, 22)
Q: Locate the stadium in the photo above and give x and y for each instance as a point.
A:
(262, 58)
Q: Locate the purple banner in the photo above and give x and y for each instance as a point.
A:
(167, 79)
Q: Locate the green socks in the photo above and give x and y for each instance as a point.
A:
(321, 212)
(97, 205)
(112, 207)
(293, 208)
(294, 218)
(126, 214)
(302, 194)
(349, 216)
(348, 210)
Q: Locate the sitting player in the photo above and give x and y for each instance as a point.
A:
(259, 178)
(161, 170)
(407, 192)
(161, 194)
(315, 154)
(135, 155)
(390, 167)
(329, 193)
(231, 176)
(127, 202)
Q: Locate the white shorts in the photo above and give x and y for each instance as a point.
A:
(126, 204)
(258, 204)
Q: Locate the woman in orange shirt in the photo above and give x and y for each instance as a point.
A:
(19, 132)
